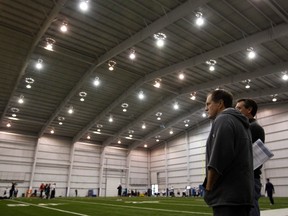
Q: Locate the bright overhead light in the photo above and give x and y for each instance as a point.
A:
(21, 99)
(8, 124)
(110, 118)
(193, 96)
(176, 106)
(204, 115)
(82, 96)
(83, 5)
(88, 137)
(251, 53)
(14, 115)
(141, 95)
(160, 38)
(274, 98)
(52, 131)
(248, 81)
(145, 146)
(158, 115)
(186, 122)
(124, 106)
(70, 110)
(111, 65)
(171, 131)
(29, 81)
(285, 76)
(211, 64)
(181, 76)
(132, 54)
(119, 141)
(143, 125)
(63, 27)
(39, 64)
(49, 44)
(157, 83)
(199, 20)
(96, 81)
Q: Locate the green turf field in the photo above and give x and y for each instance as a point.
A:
(139, 206)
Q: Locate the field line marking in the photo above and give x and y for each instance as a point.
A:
(135, 207)
(54, 209)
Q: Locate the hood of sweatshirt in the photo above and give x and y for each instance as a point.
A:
(232, 111)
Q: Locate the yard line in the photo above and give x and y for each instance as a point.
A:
(54, 209)
(143, 208)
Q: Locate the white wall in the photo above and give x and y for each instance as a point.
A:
(178, 162)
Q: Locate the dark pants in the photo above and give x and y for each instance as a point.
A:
(257, 194)
(270, 195)
(231, 211)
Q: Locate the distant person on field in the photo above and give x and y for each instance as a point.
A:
(119, 188)
(248, 107)
(269, 189)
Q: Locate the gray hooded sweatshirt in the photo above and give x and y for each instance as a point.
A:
(229, 152)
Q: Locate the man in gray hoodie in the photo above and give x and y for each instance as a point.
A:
(229, 158)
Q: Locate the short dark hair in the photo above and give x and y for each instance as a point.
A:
(221, 94)
(249, 103)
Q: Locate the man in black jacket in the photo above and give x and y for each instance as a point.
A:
(248, 107)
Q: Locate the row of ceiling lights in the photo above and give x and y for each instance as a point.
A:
(159, 37)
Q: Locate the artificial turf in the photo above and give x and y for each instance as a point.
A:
(116, 206)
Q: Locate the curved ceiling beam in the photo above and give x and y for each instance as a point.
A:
(54, 12)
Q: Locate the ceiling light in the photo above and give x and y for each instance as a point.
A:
(63, 27)
(204, 115)
(199, 20)
(21, 99)
(132, 54)
(96, 81)
(15, 110)
(70, 110)
(99, 130)
(193, 96)
(82, 95)
(285, 76)
(247, 82)
(157, 83)
(29, 81)
(8, 124)
(145, 146)
(52, 131)
(49, 44)
(158, 114)
(124, 106)
(141, 95)
(119, 141)
(88, 137)
(14, 115)
(61, 119)
(211, 64)
(160, 37)
(171, 132)
(39, 64)
(143, 125)
(176, 106)
(186, 122)
(111, 65)
(60, 123)
(251, 53)
(110, 118)
(274, 98)
(83, 5)
(181, 76)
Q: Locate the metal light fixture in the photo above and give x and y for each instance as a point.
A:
(132, 54)
(158, 115)
(251, 53)
(83, 5)
(111, 65)
(160, 38)
(124, 106)
(193, 96)
(29, 81)
(211, 64)
(141, 95)
(96, 81)
(21, 99)
(70, 110)
(82, 96)
(39, 64)
(64, 26)
(49, 44)
(199, 19)
(157, 83)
